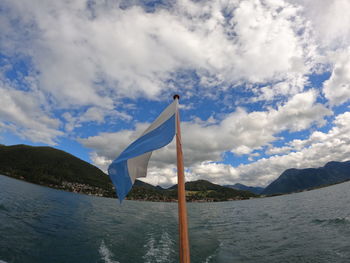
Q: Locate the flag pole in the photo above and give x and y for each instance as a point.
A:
(184, 248)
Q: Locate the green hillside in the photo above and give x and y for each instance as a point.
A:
(295, 180)
(202, 190)
(57, 169)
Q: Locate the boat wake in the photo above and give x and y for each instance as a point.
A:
(209, 259)
(2, 207)
(161, 250)
(212, 257)
(333, 221)
(105, 253)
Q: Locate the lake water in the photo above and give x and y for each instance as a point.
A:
(39, 224)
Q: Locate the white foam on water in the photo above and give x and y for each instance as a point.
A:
(339, 254)
(207, 260)
(1, 261)
(105, 253)
(159, 251)
(210, 258)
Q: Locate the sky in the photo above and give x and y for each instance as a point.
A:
(264, 84)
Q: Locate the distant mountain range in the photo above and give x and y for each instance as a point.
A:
(256, 190)
(196, 191)
(57, 169)
(294, 180)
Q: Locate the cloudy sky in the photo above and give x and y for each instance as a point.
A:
(264, 84)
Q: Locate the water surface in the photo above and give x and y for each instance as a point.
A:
(39, 224)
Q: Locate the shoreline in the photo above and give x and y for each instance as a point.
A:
(88, 190)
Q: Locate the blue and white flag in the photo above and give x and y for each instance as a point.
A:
(132, 162)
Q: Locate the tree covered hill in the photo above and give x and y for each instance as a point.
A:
(52, 167)
(205, 190)
(57, 169)
(294, 180)
(253, 189)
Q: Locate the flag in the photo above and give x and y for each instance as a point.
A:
(132, 162)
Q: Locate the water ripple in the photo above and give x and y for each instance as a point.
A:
(332, 221)
(161, 250)
(39, 225)
(106, 254)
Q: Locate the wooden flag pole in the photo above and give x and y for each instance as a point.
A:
(183, 227)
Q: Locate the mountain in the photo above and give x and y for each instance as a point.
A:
(199, 185)
(54, 168)
(196, 191)
(294, 180)
(205, 190)
(57, 169)
(139, 183)
(256, 190)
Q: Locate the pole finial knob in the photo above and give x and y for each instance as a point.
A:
(176, 96)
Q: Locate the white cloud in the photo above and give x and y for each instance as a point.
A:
(21, 113)
(164, 177)
(95, 54)
(239, 132)
(278, 150)
(301, 111)
(89, 56)
(316, 151)
(92, 114)
(108, 145)
(330, 26)
(292, 85)
(85, 57)
(337, 87)
(330, 20)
